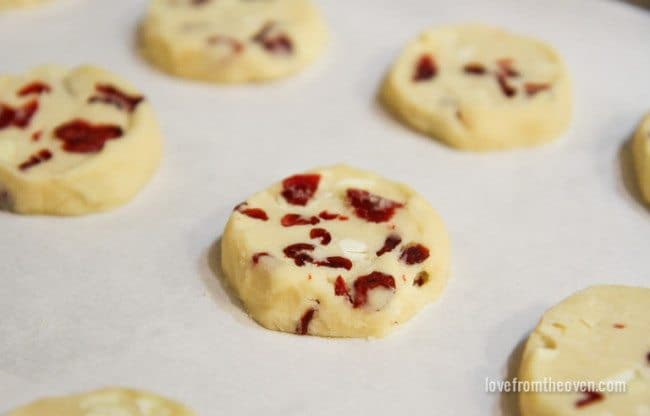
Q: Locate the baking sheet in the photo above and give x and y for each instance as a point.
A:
(131, 298)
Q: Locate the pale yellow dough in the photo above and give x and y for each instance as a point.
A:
(278, 293)
(73, 183)
(641, 147)
(232, 41)
(599, 334)
(10, 4)
(106, 402)
(470, 111)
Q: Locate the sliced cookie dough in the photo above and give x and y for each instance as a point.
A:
(597, 335)
(335, 252)
(73, 141)
(106, 402)
(231, 41)
(480, 88)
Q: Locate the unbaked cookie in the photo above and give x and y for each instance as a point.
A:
(73, 141)
(335, 252)
(599, 334)
(641, 148)
(479, 88)
(232, 40)
(107, 402)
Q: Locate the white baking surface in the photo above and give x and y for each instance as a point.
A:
(130, 298)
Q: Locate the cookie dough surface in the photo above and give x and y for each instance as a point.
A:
(232, 41)
(335, 252)
(480, 88)
(107, 402)
(599, 334)
(74, 141)
(641, 148)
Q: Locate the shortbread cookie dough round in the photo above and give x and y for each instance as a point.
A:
(597, 335)
(641, 149)
(74, 141)
(11, 4)
(335, 252)
(110, 401)
(230, 41)
(480, 88)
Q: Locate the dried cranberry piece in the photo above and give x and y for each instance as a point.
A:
(363, 284)
(391, 242)
(278, 43)
(111, 95)
(591, 397)
(291, 220)
(533, 88)
(506, 69)
(372, 207)
(258, 256)
(79, 136)
(297, 252)
(36, 87)
(619, 326)
(36, 159)
(647, 358)
(299, 189)
(507, 89)
(305, 320)
(421, 279)
(330, 217)
(235, 45)
(341, 288)
(17, 117)
(335, 262)
(257, 213)
(425, 68)
(414, 254)
(36, 136)
(474, 68)
(321, 233)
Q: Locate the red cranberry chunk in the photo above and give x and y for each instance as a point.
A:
(79, 136)
(590, 397)
(299, 189)
(507, 89)
(391, 242)
(305, 320)
(111, 95)
(323, 234)
(335, 262)
(533, 88)
(364, 284)
(425, 68)
(370, 207)
(298, 252)
(273, 41)
(414, 254)
(474, 68)
(36, 159)
(258, 256)
(506, 68)
(17, 117)
(340, 287)
(324, 215)
(36, 87)
(291, 220)
(257, 213)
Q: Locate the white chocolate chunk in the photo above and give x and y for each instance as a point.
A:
(74, 141)
(305, 255)
(106, 402)
(232, 40)
(614, 347)
(480, 88)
